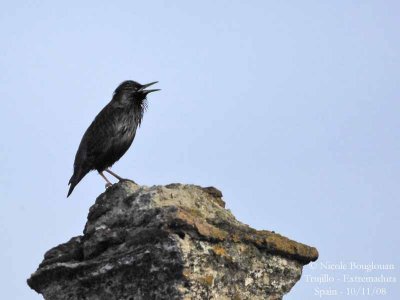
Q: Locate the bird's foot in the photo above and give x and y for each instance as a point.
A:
(108, 185)
(126, 179)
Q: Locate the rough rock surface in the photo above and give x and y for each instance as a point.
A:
(169, 242)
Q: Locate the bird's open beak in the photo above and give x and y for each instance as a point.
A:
(142, 89)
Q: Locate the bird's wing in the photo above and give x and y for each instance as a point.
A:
(100, 138)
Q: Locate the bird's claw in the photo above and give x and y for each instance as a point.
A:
(108, 185)
(126, 179)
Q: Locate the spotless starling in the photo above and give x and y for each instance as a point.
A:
(112, 132)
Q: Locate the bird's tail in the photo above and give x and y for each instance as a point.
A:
(75, 179)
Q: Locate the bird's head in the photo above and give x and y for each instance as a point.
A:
(130, 90)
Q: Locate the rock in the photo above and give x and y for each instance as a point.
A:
(169, 242)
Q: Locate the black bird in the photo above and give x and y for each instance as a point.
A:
(112, 132)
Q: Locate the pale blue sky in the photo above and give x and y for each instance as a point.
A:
(291, 108)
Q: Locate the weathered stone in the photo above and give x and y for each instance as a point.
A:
(169, 242)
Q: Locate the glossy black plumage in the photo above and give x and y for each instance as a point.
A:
(112, 131)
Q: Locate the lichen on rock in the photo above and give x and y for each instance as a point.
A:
(169, 242)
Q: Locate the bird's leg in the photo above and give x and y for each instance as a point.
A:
(113, 174)
(108, 184)
(118, 177)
